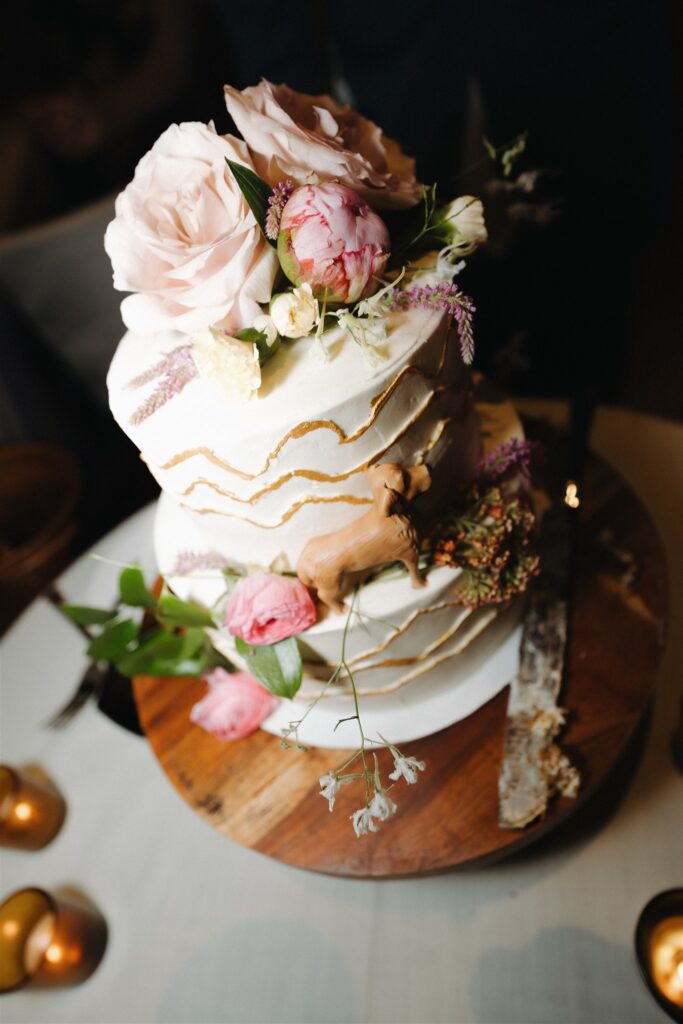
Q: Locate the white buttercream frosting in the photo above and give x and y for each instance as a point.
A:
(262, 478)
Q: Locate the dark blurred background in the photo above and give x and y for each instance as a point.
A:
(577, 287)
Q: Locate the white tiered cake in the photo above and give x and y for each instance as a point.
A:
(248, 484)
(296, 377)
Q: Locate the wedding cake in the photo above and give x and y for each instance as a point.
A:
(297, 378)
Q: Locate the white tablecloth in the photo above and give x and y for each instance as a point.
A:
(204, 930)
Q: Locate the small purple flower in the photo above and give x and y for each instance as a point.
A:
(451, 300)
(511, 458)
(173, 372)
(276, 204)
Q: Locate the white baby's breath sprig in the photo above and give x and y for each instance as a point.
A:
(381, 806)
(406, 768)
(367, 333)
(378, 804)
(329, 784)
(363, 821)
(436, 267)
(378, 304)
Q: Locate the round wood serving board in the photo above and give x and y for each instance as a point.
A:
(268, 798)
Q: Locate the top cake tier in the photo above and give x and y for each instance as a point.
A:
(262, 477)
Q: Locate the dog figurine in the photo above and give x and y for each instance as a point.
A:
(385, 533)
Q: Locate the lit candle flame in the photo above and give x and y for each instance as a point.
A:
(571, 494)
(54, 953)
(23, 811)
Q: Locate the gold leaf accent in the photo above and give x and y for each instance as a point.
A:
(313, 474)
(477, 628)
(412, 618)
(308, 426)
(350, 499)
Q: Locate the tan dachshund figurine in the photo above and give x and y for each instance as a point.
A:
(384, 534)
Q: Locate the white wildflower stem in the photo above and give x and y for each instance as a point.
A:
(294, 726)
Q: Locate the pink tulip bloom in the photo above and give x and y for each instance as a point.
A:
(234, 705)
(332, 240)
(265, 607)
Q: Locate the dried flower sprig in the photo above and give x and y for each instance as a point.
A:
(447, 297)
(276, 203)
(378, 805)
(488, 536)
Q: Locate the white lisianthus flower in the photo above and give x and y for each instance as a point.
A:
(363, 822)
(463, 220)
(232, 364)
(265, 325)
(295, 313)
(381, 806)
(329, 784)
(435, 268)
(367, 333)
(407, 768)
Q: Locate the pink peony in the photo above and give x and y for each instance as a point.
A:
(234, 705)
(313, 138)
(185, 240)
(266, 607)
(330, 239)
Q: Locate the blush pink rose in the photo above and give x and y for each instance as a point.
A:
(265, 607)
(234, 705)
(313, 138)
(331, 239)
(184, 239)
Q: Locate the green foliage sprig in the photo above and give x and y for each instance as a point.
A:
(166, 636)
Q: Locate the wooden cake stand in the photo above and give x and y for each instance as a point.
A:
(268, 798)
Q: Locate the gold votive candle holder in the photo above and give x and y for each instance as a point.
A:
(48, 940)
(659, 948)
(32, 810)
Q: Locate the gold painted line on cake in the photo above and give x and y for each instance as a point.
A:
(416, 658)
(313, 499)
(308, 426)
(313, 474)
(398, 684)
(412, 618)
(393, 663)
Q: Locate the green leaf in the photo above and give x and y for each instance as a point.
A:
(167, 654)
(172, 612)
(134, 590)
(512, 152)
(489, 147)
(114, 641)
(255, 191)
(265, 351)
(86, 616)
(277, 666)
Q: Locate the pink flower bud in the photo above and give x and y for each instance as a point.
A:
(331, 239)
(265, 607)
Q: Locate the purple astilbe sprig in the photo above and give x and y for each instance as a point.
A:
(276, 203)
(188, 561)
(173, 372)
(448, 297)
(511, 458)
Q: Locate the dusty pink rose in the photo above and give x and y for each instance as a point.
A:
(266, 607)
(313, 138)
(329, 238)
(185, 240)
(234, 705)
